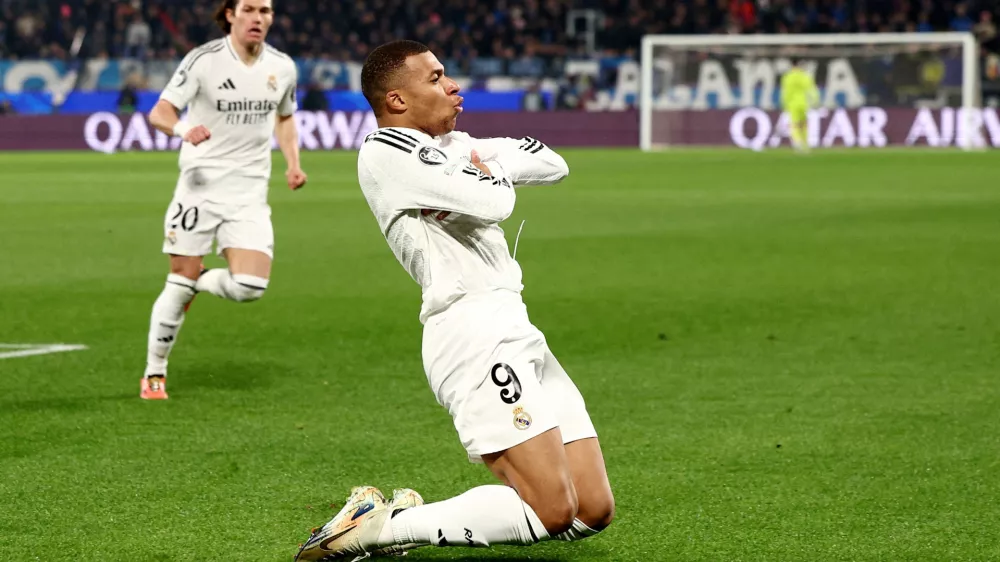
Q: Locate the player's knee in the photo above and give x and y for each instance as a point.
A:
(597, 512)
(559, 517)
(248, 288)
(558, 513)
(185, 266)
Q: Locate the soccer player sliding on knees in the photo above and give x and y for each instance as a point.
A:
(238, 91)
(438, 197)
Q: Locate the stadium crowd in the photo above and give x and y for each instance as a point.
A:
(526, 37)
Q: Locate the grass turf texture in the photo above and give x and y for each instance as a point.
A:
(787, 359)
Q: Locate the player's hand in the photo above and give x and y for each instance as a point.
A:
(477, 162)
(296, 178)
(197, 135)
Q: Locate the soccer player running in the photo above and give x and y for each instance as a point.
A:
(798, 95)
(438, 196)
(238, 92)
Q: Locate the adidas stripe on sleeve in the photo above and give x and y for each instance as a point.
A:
(186, 80)
(528, 160)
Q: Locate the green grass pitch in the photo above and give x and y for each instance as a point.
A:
(787, 358)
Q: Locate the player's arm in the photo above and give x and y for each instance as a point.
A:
(813, 92)
(456, 185)
(527, 160)
(164, 116)
(287, 134)
(182, 88)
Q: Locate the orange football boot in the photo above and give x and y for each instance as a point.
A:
(154, 387)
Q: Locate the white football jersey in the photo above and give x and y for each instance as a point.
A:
(238, 104)
(440, 214)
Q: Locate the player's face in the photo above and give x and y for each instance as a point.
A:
(431, 96)
(250, 20)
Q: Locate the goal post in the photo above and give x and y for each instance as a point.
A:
(876, 89)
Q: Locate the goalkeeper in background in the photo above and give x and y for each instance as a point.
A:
(798, 95)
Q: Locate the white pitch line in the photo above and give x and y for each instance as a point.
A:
(27, 350)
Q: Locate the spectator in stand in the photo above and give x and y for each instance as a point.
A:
(315, 99)
(840, 16)
(137, 37)
(567, 96)
(986, 31)
(128, 98)
(4, 50)
(961, 21)
(533, 100)
(924, 22)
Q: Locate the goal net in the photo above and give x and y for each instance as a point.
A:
(877, 89)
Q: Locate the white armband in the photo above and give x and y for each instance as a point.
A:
(182, 128)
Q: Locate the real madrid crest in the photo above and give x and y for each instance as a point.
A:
(272, 83)
(522, 419)
(172, 237)
(432, 156)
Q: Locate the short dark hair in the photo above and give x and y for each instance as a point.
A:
(381, 68)
(220, 15)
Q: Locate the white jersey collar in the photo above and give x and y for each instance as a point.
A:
(417, 133)
(232, 50)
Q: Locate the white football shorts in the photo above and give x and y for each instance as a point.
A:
(192, 225)
(495, 374)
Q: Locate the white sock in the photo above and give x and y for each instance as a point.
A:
(166, 320)
(480, 517)
(577, 532)
(238, 287)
